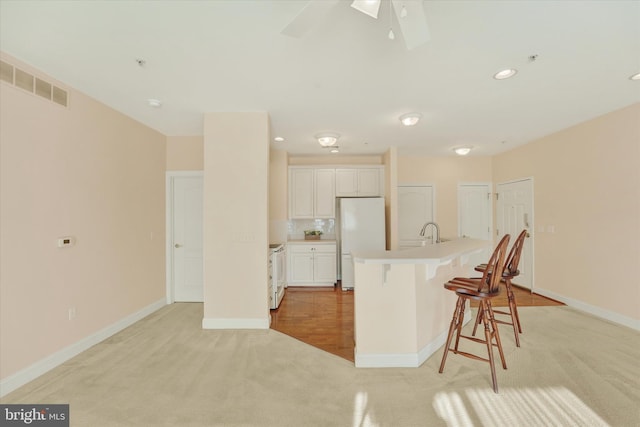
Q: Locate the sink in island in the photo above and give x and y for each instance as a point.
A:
(402, 311)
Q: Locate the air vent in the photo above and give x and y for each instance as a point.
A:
(24, 80)
(32, 84)
(6, 72)
(59, 96)
(43, 89)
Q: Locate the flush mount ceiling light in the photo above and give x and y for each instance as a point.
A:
(505, 74)
(155, 103)
(278, 139)
(369, 7)
(635, 77)
(462, 151)
(327, 139)
(410, 119)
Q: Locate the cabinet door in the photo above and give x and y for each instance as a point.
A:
(325, 194)
(324, 267)
(300, 267)
(368, 182)
(346, 182)
(301, 193)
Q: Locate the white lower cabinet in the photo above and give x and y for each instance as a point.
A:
(311, 264)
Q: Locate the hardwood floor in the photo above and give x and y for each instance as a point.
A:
(323, 317)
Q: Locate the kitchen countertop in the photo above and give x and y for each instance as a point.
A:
(438, 253)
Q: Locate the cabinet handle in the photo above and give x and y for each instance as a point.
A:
(177, 245)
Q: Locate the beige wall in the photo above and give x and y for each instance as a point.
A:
(586, 185)
(278, 196)
(185, 153)
(85, 171)
(236, 212)
(445, 173)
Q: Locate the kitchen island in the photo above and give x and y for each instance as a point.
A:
(402, 311)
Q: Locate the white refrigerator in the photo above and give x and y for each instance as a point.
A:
(361, 228)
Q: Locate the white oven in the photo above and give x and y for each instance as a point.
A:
(277, 274)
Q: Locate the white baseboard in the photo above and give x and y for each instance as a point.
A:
(42, 366)
(218, 323)
(405, 360)
(591, 309)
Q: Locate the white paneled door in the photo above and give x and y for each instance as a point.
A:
(186, 239)
(475, 216)
(515, 213)
(415, 208)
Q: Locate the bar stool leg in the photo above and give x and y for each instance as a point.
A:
(514, 309)
(452, 327)
(488, 336)
(460, 322)
(496, 333)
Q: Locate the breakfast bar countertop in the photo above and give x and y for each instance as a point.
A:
(438, 253)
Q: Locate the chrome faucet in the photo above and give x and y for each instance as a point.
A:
(424, 228)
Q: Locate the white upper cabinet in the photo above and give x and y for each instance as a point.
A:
(301, 193)
(312, 193)
(359, 182)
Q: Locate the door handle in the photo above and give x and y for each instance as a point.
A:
(177, 245)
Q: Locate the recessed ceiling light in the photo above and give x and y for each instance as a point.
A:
(410, 119)
(462, 151)
(335, 149)
(278, 139)
(635, 77)
(505, 74)
(155, 103)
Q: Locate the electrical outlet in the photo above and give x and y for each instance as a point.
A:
(72, 313)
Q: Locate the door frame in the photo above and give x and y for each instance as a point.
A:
(531, 224)
(170, 177)
(489, 185)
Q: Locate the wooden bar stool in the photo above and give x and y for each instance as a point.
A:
(510, 271)
(486, 287)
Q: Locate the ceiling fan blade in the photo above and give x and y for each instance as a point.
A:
(369, 7)
(309, 16)
(414, 25)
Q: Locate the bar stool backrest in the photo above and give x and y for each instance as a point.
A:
(496, 264)
(511, 269)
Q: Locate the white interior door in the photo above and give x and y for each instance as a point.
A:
(475, 216)
(415, 208)
(186, 242)
(515, 213)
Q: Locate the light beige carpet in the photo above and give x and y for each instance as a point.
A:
(572, 370)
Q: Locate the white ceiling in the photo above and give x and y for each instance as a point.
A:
(344, 75)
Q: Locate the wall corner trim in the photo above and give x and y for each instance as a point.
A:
(22, 377)
(220, 323)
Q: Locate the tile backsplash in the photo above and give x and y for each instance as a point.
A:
(296, 228)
